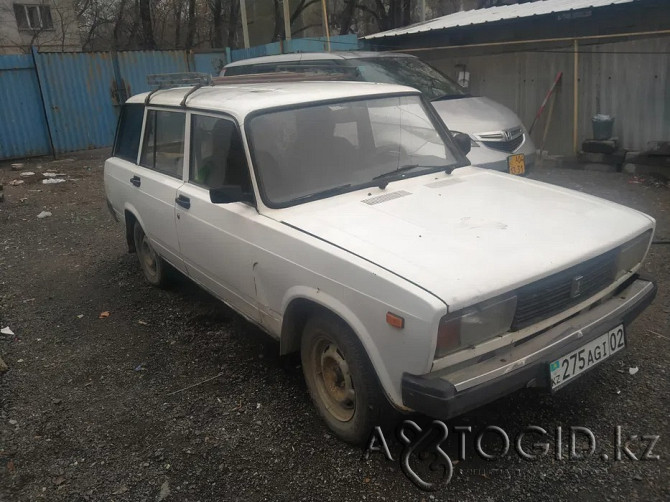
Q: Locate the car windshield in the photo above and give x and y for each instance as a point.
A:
(312, 152)
(409, 71)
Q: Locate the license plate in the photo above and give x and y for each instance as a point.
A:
(516, 164)
(564, 369)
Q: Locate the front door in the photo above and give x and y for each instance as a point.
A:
(214, 238)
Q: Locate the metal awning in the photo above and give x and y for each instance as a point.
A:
(494, 14)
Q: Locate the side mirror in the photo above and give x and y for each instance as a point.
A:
(463, 142)
(229, 193)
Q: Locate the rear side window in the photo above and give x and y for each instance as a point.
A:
(163, 148)
(128, 133)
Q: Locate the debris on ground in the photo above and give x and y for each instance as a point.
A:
(3, 366)
(165, 491)
(6, 331)
(17, 166)
(16, 182)
(51, 181)
(633, 370)
(44, 214)
(104, 314)
(25, 174)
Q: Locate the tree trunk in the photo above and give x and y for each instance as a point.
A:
(190, 28)
(148, 40)
(217, 16)
(119, 23)
(178, 7)
(406, 12)
(347, 16)
(233, 16)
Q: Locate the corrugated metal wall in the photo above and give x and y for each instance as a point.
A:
(77, 93)
(75, 96)
(629, 80)
(317, 44)
(134, 66)
(208, 62)
(23, 128)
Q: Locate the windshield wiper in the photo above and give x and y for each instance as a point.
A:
(451, 95)
(397, 174)
(323, 193)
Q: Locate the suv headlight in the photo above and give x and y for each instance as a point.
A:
(475, 324)
(632, 253)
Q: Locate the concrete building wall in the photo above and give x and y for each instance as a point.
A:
(56, 29)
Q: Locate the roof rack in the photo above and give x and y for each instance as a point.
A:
(198, 80)
(171, 80)
(281, 76)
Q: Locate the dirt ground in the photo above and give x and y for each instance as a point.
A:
(115, 408)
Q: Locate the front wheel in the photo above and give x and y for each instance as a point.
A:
(340, 379)
(153, 266)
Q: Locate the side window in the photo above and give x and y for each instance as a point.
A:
(128, 132)
(163, 148)
(217, 154)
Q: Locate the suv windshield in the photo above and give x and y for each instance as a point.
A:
(313, 152)
(411, 72)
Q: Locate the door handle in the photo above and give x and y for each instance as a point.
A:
(135, 180)
(183, 201)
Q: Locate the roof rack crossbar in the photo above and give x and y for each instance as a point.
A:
(170, 80)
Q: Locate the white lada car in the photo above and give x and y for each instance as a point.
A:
(342, 219)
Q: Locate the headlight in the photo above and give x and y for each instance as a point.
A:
(632, 253)
(475, 324)
(472, 141)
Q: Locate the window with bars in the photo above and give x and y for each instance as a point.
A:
(33, 17)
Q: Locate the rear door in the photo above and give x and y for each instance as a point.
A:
(157, 179)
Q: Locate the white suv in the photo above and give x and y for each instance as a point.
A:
(341, 219)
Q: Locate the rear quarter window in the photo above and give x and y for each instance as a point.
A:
(128, 132)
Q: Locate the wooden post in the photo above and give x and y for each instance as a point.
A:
(287, 20)
(325, 23)
(245, 28)
(575, 111)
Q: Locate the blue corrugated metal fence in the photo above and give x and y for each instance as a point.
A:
(61, 102)
(23, 127)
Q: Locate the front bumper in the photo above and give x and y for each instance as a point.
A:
(488, 158)
(443, 395)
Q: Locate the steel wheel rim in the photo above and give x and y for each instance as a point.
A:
(334, 383)
(148, 256)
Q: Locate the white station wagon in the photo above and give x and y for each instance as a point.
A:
(342, 219)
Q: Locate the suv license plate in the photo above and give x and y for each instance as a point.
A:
(516, 164)
(569, 366)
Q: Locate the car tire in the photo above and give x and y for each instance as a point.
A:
(154, 267)
(341, 381)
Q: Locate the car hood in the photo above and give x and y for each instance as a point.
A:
(474, 115)
(472, 235)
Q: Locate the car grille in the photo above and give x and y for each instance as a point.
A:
(551, 295)
(505, 146)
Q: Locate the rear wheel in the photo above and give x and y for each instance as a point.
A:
(340, 379)
(153, 266)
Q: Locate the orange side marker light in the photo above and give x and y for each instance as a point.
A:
(395, 320)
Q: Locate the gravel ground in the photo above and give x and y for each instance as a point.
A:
(175, 397)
